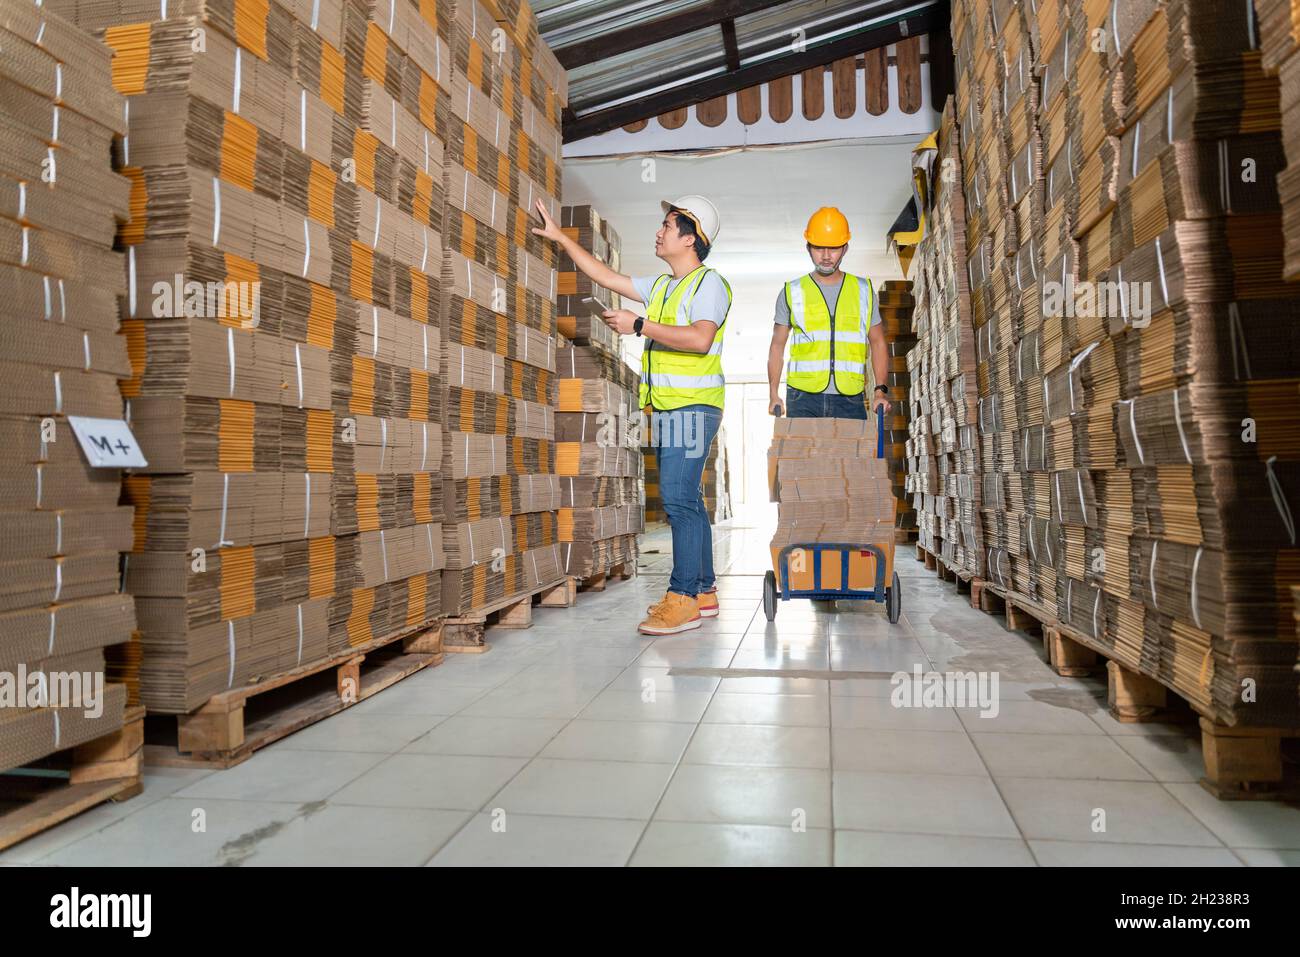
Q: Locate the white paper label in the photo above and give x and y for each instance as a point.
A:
(107, 443)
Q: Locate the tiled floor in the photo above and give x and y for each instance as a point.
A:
(579, 742)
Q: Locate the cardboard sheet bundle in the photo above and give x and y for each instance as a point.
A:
(284, 310)
(501, 487)
(598, 423)
(61, 528)
(896, 305)
(943, 448)
(1139, 359)
(830, 488)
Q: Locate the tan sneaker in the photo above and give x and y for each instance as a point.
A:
(708, 602)
(676, 613)
(653, 609)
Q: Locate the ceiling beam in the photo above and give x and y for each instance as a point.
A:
(730, 46)
(688, 94)
(943, 82)
(655, 31)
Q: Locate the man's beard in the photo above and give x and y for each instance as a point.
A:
(825, 270)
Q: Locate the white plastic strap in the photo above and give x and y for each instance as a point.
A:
(26, 252)
(379, 216)
(374, 330)
(1182, 436)
(230, 357)
(239, 61)
(1151, 573)
(58, 730)
(1132, 425)
(230, 637)
(58, 392)
(58, 533)
(130, 276)
(306, 519)
(53, 630)
(216, 210)
(300, 634)
(428, 536)
(383, 442)
(1238, 338)
(1160, 265)
(302, 119)
(297, 361)
(22, 199)
(424, 453)
(1096, 604)
(46, 284)
(85, 343)
(225, 501)
(1078, 476)
(383, 548)
(1196, 568)
(306, 242)
(58, 580)
(1279, 499)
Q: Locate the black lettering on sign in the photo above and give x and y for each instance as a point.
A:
(103, 443)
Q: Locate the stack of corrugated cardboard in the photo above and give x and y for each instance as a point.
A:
(598, 423)
(1139, 348)
(831, 487)
(715, 482)
(284, 315)
(943, 448)
(896, 306)
(502, 489)
(61, 529)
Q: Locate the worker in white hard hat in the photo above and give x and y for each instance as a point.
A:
(682, 387)
(836, 324)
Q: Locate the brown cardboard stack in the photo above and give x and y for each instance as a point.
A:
(598, 423)
(1139, 354)
(290, 155)
(896, 306)
(831, 487)
(715, 482)
(944, 447)
(654, 503)
(61, 529)
(503, 155)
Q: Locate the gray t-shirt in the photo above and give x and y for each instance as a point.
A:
(710, 302)
(832, 293)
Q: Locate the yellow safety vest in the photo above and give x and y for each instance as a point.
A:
(671, 379)
(821, 346)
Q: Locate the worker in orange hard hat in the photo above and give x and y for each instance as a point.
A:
(836, 324)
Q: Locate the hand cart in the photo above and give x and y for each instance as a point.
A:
(883, 552)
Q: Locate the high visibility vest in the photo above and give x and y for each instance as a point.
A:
(671, 379)
(821, 346)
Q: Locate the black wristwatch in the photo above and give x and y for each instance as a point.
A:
(883, 388)
(638, 325)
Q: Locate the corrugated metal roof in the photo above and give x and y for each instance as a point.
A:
(647, 57)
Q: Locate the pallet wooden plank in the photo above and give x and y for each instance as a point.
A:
(813, 85)
(908, 62)
(875, 80)
(844, 82)
(58, 806)
(749, 105)
(780, 98)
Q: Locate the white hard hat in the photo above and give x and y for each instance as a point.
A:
(701, 212)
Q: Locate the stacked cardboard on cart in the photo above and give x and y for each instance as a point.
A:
(831, 486)
(290, 157)
(1138, 372)
(61, 528)
(598, 422)
(502, 489)
(896, 306)
(715, 482)
(943, 447)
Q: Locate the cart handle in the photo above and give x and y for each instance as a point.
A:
(880, 432)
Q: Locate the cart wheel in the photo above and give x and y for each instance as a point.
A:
(894, 600)
(769, 596)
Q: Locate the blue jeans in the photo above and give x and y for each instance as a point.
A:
(822, 405)
(682, 439)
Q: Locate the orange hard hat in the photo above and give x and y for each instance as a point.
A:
(827, 227)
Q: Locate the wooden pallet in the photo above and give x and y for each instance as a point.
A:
(1241, 763)
(106, 769)
(467, 634)
(620, 571)
(232, 726)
